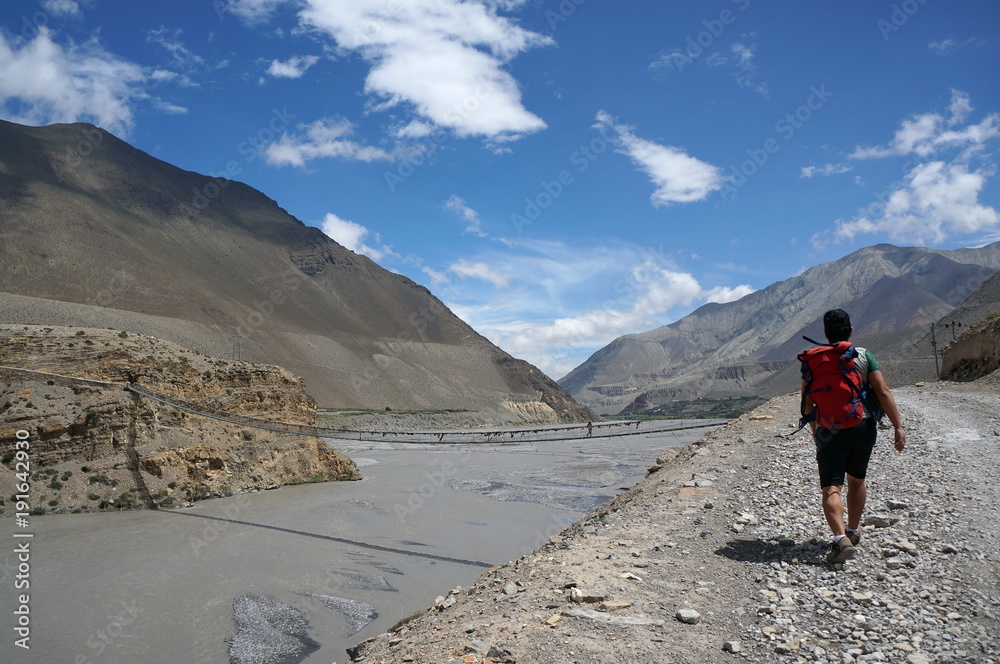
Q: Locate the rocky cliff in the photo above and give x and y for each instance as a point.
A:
(974, 354)
(94, 445)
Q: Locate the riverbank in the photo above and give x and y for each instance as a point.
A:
(718, 556)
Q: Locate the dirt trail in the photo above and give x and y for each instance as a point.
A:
(718, 556)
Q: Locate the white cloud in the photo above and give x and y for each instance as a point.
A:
(824, 170)
(294, 67)
(471, 217)
(558, 345)
(67, 8)
(168, 108)
(960, 107)
(480, 270)
(926, 134)
(43, 82)
(677, 177)
(442, 59)
(724, 294)
(254, 11)
(948, 46)
(740, 60)
(414, 130)
(352, 236)
(938, 199)
(170, 41)
(437, 278)
(326, 138)
(536, 317)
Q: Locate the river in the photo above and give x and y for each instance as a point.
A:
(348, 559)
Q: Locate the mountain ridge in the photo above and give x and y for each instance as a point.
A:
(90, 224)
(886, 288)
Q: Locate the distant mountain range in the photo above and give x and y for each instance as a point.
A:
(94, 232)
(748, 347)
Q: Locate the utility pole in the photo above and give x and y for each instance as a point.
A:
(954, 335)
(937, 368)
(238, 347)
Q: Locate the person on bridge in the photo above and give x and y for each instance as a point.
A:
(590, 429)
(846, 453)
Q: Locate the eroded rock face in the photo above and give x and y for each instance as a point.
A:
(976, 353)
(97, 445)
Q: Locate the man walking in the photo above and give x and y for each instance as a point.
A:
(845, 453)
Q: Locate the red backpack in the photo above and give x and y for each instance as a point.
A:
(834, 384)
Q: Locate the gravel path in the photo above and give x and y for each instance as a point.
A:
(718, 556)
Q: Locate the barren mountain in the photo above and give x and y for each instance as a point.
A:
(748, 347)
(94, 232)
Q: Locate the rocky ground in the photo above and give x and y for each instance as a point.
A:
(718, 556)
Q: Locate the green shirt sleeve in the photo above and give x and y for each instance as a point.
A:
(872, 362)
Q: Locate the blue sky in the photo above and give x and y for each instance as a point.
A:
(559, 172)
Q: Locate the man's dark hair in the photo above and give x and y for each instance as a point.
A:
(837, 325)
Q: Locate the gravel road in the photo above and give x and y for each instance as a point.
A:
(718, 556)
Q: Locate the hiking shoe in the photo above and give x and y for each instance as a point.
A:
(854, 537)
(841, 551)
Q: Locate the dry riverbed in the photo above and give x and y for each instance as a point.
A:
(718, 556)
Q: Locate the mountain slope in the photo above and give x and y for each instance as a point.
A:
(727, 350)
(96, 229)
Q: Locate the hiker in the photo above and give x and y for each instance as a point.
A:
(590, 429)
(844, 452)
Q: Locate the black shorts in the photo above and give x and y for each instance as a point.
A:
(847, 452)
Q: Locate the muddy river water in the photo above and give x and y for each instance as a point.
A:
(335, 562)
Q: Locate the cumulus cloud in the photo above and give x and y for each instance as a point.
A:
(938, 197)
(352, 236)
(294, 67)
(725, 294)
(326, 138)
(443, 60)
(558, 345)
(676, 176)
(43, 82)
(925, 134)
(534, 316)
